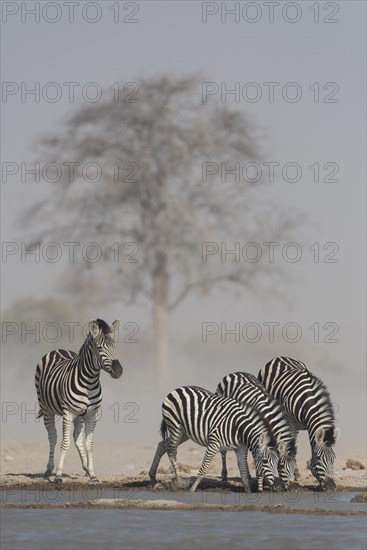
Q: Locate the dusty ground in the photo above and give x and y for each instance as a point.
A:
(24, 464)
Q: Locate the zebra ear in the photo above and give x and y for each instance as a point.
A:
(263, 440)
(282, 447)
(337, 434)
(319, 436)
(115, 325)
(93, 328)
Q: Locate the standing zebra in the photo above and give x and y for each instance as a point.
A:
(247, 390)
(218, 424)
(68, 385)
(306, 401)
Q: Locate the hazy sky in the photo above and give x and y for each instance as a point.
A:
(171, 38)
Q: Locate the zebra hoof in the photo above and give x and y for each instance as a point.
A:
(47, 473)
(94, 479)
(180, 484)
(58, 480)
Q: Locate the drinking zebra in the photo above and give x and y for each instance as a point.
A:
(306, 401)
(218, 424)
(247, 390)
(68, 385)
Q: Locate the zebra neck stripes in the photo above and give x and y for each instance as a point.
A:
(87, 367)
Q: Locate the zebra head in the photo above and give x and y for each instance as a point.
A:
(266, 460)
(323, 455)
(287, 461)
(105, 345)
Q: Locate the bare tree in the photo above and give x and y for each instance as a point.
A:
(151, 150)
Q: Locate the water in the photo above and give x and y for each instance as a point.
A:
(150, 529)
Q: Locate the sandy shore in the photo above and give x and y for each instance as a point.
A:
(24, 464)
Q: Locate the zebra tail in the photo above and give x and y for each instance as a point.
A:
(164, 429)
(40, 414)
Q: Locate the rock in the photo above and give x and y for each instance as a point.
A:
(354, 464)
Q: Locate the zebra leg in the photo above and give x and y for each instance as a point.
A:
(90, 424)
(224, 466)
(211, 451)
(297, 474)
(241, 455)
(162, 449)
(49, 421)
(67, 420)
(175, 440)
(78, 440)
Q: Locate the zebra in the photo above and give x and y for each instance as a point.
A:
(306, 401)
(217, 423)
(68, 384)
(247, 390)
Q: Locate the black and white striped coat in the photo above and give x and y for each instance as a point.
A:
(218, 424)
(247, 390)
(306, 401)
(68, 384)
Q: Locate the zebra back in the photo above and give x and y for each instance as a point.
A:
(204, 414)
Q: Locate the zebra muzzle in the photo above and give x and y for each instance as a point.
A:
(329, 483)
(117, 369)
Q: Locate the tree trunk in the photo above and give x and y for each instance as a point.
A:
(161, 315)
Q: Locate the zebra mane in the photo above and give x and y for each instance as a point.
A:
(325, 401)
(292, 446)
(105, 328)
(329, 437)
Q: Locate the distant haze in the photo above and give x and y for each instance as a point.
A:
(171, 39)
